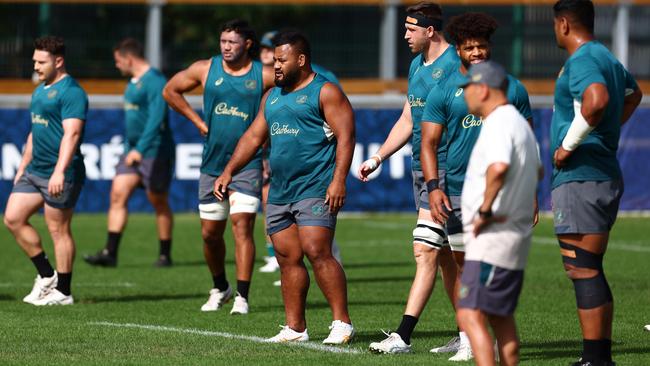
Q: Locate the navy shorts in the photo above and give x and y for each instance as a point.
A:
(307, 212)
(586, 207)
(30, 183)
(491, 289)
(156, 173)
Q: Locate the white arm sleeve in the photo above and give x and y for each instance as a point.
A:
(578, 130)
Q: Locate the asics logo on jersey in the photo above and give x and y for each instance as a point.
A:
(416, 102)
(274, 100)
(459, 92)
(470, 121)
(38, 119)
(277, 129)
(223, 108)
(218, 82)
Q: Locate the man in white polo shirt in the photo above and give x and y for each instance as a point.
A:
(497, 210)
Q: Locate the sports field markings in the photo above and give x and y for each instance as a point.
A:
(160, 328)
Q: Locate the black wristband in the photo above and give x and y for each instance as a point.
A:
(432, 185)
(485, 214)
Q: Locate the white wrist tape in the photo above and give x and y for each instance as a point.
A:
(578, 130)
(373, 162)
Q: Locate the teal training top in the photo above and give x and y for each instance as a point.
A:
(328, 75)
(595, 158)
(49, 107)
(423, 80)
(303, 147)
(147, 120)
(449, 109)
(230, 104)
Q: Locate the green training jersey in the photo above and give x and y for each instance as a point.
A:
(595, 158)
(303, 147)
(423, 79)
(147, 120)
(449, 109)
(50, 106)
(328, 75)
(230, 103)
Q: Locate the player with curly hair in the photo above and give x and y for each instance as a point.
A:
(446, 114)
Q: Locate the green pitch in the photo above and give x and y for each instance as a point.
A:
(137, 314)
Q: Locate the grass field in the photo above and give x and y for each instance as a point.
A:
(137, 314)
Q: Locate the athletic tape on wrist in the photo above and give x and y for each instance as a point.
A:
(578, 130)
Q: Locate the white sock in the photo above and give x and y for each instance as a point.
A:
(463, 338)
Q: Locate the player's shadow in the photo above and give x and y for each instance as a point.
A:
(137, 298)
(6, 297)
(380, 279)
(565, 349)
(314, 305)
(347, 265)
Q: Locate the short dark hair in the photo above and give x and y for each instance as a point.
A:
(130, 46)
(244, 29)
(52, 44)
(579, 11)
(295, 39)
(427, 9)
(471, 26)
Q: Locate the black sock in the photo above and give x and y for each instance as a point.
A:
(64, 283)
(42, 265)
(220, 282)
(591, 349)
(406, 328)
(606, 345)
(242, 288)
(112, 243)
(166, 247)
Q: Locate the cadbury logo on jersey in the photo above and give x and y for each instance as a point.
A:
(223, 108)
(38, 119)
(470, 121)
(277, 129)
(416, 102)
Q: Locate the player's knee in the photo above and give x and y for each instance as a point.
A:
(12, 222)
(242, 228)
(585, 269)
(425, 255)
(159, 202)
(118, 198)
(430, 234)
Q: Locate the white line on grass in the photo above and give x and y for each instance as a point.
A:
(309, 345)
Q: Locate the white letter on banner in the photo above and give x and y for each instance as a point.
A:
(91, 160)
(11, 158)
(397, 162)
(111, 153)
(188, 161)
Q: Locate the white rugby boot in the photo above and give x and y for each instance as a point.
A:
(270, 266)
(55, 297)
(217, 299)
(451, 346)
(42, 286)
(288, 335)
(392, 344)
(239, 306)
(340, 333)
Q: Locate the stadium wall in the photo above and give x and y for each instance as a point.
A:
(388, 190)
